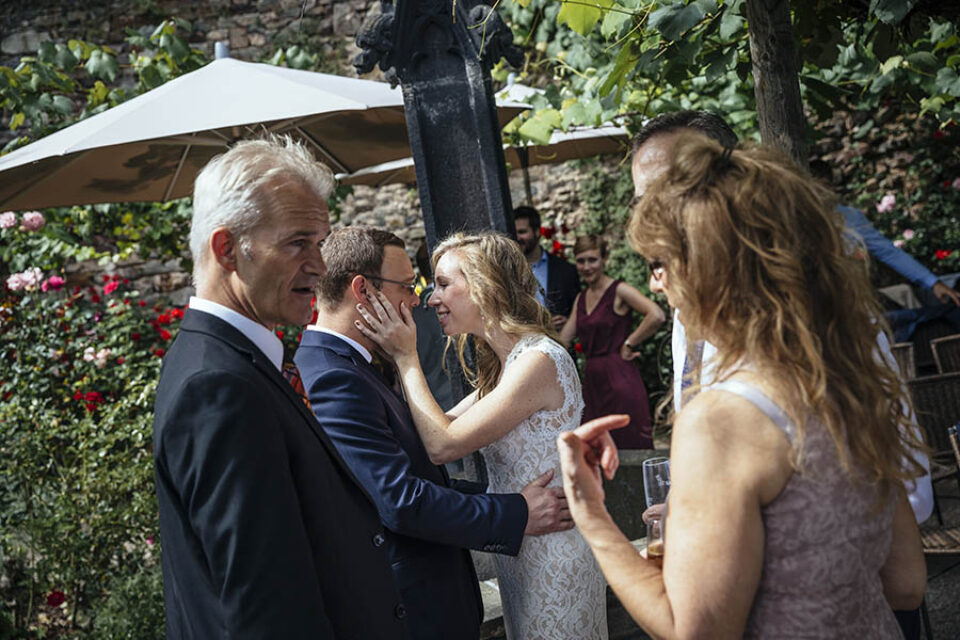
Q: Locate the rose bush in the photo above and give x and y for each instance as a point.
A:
(77, 505)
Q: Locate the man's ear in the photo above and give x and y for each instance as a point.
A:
(358, 289)
(224, 247)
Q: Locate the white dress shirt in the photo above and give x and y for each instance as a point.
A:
(265, 340)
(350, 341)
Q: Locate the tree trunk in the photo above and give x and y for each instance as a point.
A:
(776, 85)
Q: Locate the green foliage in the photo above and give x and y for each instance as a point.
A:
(77, 506)
(634, 58)
(134, 608)
(913, 163)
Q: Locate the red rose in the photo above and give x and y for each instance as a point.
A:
(126, 281)
(938, 134)
(163, 318)
(134, 336)
(313, 319)
(547, 232)
(176, 314)
(942, 254)
(106, 278)
(110, 287)
(119, 360)
(77, 395)
(56, 598)
(141, 303)
(946, 184)
(299, 337)
(126, 301)
(94, 298)
(564, 228)
(557, 248)
(578, 348)
(164, 334)
(159, 352)
(280, 334)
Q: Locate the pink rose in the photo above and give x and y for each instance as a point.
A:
(53, 283)
(33, 221)
(32, 276)
(8, 219)
(887, 203)
(15, 282)
(908, 234)
(110, 287)
(898, 243)
(955, 183)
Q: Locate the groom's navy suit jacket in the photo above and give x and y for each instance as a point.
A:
(429, 521)
(266, 532)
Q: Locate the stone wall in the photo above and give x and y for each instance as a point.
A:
(253, 28)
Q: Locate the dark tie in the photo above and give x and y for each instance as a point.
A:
(292, 375)
(388, 371)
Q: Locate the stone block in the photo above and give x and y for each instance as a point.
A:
(258, 40)
(27, 41)
(347, 20)
(238, 38)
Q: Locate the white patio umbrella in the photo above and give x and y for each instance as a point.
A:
(151, 147)
(563, 146)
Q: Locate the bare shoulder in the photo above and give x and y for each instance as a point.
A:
(724, 433)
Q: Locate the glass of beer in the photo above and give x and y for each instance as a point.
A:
(655, 541)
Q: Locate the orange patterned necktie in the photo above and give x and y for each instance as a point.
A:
(292, 375)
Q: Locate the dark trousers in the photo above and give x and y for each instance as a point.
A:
(904, 322)
(909, 622)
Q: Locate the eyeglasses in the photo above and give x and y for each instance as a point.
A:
(411, 287)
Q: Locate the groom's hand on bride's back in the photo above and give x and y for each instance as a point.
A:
(546, 507)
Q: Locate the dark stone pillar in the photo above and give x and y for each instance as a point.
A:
(441, 52)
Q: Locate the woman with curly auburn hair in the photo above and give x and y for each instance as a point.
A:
(526, 393)
(786, 515)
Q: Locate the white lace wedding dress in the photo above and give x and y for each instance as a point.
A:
(552, 590)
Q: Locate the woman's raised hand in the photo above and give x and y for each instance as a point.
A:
(395, 332)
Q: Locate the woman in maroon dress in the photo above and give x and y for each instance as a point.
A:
(602, 321)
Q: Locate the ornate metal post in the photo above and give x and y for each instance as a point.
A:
(441, 52)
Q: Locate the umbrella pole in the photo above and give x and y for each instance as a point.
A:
(524, 154)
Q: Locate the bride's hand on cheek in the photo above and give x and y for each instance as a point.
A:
(395, 332)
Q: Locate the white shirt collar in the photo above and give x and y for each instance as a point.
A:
(350, 341)
(263, 338)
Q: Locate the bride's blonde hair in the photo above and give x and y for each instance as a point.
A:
(756, 257)
(501, 283)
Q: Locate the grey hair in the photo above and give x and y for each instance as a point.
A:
(231, 191)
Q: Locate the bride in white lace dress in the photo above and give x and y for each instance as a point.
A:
(526, 393)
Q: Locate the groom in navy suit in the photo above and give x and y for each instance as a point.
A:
(430, 519)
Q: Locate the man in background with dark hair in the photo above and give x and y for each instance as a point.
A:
(558, 279)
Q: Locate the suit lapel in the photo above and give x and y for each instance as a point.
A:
(218, 329)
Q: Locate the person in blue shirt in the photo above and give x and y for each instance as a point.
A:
(903, 322)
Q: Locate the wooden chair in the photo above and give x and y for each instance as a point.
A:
(936, 400)
(922, 337)
(903, 354)
(946, 353)
(941, 541)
